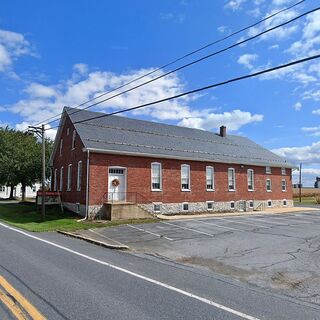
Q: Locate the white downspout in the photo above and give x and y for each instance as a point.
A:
(87, 187)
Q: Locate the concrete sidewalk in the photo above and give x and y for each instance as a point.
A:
(228, 214)
(93, 236)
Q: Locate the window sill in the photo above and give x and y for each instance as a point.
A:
(284, 190)
(251, 190)
(269, 190)
(232, 190)
(156, 190)
(185, 190)
(210, 190)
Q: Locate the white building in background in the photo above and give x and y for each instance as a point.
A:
(31, 192)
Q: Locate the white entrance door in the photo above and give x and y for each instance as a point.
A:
(117, 184)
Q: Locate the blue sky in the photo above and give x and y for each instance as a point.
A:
(56, 53)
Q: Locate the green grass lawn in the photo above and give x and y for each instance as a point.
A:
(26, 216)
(305, 200)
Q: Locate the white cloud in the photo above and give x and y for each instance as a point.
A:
(312, 26)
(12, 46)
(281, 33)
(307, 154)
(297, 106)
(232, 120)
(234, 4)
(37, 90)
(280, 2)
(316, 112)
(310, 129)
(275, 46)
(247, 59)
(80, 68)
(46, 101)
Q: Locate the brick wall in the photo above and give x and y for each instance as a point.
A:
(70, 156)
(139, 180)
(139, 177)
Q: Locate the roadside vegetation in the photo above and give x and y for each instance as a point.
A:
(25, 215)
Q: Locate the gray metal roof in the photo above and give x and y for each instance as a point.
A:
(117, 134)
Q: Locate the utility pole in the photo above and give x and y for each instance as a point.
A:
(43, 198)
(300, 186)
(40, 131)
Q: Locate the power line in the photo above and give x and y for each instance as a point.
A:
(176, 60)
(255, 74)
(201, 59)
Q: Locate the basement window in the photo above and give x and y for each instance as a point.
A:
(269, 203)
(185, 206)
(232, 205)
(284, 202)
(209, 205)
(156, 207)
(251, 204)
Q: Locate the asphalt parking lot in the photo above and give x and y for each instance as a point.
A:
(278, 252)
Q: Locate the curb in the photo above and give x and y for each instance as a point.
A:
(93, 241)
(232, 214)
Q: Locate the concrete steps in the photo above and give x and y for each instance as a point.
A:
(125, 211)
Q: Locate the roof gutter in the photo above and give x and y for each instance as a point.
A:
(141, 154)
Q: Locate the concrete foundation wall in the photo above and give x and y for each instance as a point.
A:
(199, 207)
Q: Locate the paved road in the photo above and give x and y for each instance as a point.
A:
(70, 279)
(277, 252)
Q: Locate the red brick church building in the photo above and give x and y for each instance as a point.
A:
(162, 168)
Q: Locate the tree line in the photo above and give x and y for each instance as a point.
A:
(20, 159)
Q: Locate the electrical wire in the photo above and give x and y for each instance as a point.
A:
(171, 63)
(247, 76)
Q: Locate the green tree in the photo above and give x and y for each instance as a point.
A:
(20, 159)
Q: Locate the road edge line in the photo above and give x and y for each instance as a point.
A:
(93, 241)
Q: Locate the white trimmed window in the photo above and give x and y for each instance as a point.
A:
(74, 139)
(61, 145)
(55, 180)
(2, 188)
(284, 185)
(250, 176)
(283, 171)
(79, 176)
(185, 177)
(210, 178)
(157, 206)
(284, 202)
(69, 177)
(268, 185)
(268, 170)
(232, 204)
(210, 205)
(269, 203)
(231, 179)
(185, 206)
(61, 179)
(251, 203)
(156, 177)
